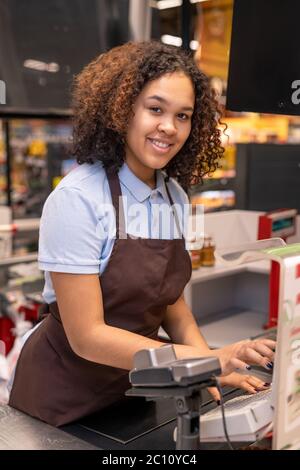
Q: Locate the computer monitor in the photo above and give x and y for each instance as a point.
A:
(267, 176)
(264, 57)
(44, 44)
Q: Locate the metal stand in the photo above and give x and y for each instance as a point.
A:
(187, 401)
(188, 422)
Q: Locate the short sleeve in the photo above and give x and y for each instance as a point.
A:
(71, 236)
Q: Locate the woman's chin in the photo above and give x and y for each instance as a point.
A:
(157, 163)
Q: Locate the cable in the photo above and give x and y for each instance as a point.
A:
(223, 413)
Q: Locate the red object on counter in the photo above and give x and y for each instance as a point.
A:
(6, 334)
(278, 223)
(31, 312)
(273, 294)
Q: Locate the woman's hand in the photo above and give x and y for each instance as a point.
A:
(240, 355)
(249, 383)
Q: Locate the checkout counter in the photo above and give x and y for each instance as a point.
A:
(141, 426)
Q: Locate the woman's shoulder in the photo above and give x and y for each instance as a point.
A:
(84, 176)
(86, 182)
(73, 223)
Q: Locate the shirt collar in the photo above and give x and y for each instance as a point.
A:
(161, 186)
(140, 190)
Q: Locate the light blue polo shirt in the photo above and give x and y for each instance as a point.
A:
(77, 229)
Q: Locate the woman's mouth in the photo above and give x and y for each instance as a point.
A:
(160, 146)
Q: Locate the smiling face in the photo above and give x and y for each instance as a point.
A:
(161, 124)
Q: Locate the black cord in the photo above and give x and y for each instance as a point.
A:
(223, 413)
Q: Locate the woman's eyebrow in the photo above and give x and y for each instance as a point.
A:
(163, 100)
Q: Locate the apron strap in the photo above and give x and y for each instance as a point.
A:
(173, 209)
(54, 311)
(116, 195)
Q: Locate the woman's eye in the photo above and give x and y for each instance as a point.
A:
(155, 109)
(183, 116)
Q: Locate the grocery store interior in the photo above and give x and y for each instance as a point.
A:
(253, 195)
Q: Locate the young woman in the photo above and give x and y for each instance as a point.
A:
(111, 283)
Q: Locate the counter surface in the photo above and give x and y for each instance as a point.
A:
(19, 431)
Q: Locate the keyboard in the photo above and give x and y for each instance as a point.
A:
(246, 418)
(238, 403)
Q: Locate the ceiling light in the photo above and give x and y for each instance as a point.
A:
(171, 40)
(164, 4)
(41, 66)
(194, 45)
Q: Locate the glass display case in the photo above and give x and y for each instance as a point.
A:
(38, 157)
(38, 151)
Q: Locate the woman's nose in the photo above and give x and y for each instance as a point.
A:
(168, 127)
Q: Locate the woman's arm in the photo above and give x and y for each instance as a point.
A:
(80, 305)
(181, 326)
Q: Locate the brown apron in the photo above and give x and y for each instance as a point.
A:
(142, 278)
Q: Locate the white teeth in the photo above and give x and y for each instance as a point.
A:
(160, 144)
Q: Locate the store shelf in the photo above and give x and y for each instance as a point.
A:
(219, 174)
(19, 259)
(219, 270)
(221, 299)
(23, 225)
(214, 184)
(229, 327)
(234, 327)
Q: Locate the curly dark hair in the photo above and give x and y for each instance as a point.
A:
(103, 97)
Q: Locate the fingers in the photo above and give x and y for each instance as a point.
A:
(258, 352)
(236, 363)
(253, 356)
(264, 350)
(247, 387)
(257, 383)
(248, 383)
(252, 384)
(214, 393)
(240, 355)
(268, 342)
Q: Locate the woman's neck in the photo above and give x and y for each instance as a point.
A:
(147, 175)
